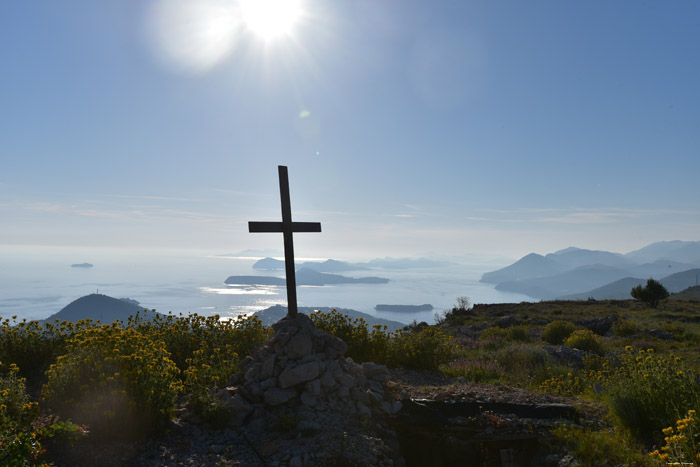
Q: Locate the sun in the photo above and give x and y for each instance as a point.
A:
(271, 19)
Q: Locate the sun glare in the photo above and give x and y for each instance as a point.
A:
(271, 18)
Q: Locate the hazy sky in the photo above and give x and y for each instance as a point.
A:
(409, 127)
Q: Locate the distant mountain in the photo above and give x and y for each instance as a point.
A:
(573, 271)
(620, 289)
(270, 316)
(660, 268)
(305, 276)
(82, 265)
(101, 308)
(676, 250)
(681, 280)
(331, 265)
(577, 257)
(528, 267)
(269, 264)
(404, 308)
(566, 283)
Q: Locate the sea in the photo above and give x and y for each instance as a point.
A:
(36, 282)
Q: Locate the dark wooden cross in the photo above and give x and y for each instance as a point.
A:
(287, 227)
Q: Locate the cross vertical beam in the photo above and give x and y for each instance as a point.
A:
(287, 228)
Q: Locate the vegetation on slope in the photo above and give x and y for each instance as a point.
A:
(640, 362)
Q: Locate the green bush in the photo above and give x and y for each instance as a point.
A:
(624, 328)
(648, 392)
(118, 381)
(363, 345)
(18, 444)
(586, 340)
(557, 331)
(21, 437)
(185, 335)
(34, 346)
(518, 333)
(206, 371)
(424, 349)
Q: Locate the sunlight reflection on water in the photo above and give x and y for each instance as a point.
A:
(235, 290)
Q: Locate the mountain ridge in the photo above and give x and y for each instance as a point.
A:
(575, 271)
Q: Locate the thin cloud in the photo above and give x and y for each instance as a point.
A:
(579, 216)
(158, 198)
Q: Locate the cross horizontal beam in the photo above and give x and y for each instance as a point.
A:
(278, 227)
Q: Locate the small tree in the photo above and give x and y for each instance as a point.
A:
(651, 294)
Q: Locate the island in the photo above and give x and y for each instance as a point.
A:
(82, 265)
(305, 276)
(404, 308)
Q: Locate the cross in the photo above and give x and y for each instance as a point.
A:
(287, 227)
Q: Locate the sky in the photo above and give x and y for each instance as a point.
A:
(410, 128)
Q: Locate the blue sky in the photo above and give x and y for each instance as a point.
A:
(409, 127)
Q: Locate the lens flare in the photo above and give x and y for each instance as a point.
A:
(271, 18)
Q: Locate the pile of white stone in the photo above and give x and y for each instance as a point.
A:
(302, 370)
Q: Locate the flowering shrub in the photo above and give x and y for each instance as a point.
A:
(682, 443)
(33, 346)
(18, 444)
(205, 372)
(556, 331)
(565, 385)
(185, 335)
(425, 348)
(363, 344)
(586, 340)
(624, 328)
(116, 380)
(20, 441)
(648, 391)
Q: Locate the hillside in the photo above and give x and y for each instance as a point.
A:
(691, 293)
(98, 307)
(528, 267)
(620, 289)
(566, 283)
